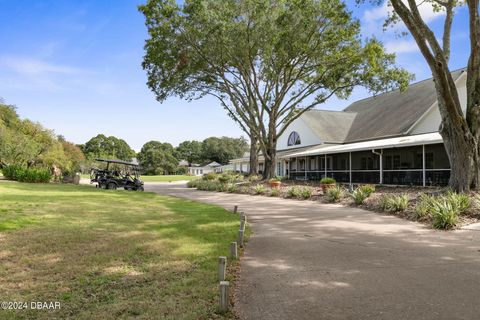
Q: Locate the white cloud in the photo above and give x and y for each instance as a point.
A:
(33, 73)
(33, 66)
(401, 46)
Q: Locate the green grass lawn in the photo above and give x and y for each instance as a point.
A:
(110, 254)
(166, 178)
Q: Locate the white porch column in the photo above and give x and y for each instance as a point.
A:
(424, 175)
(325, 165)
(350, 166)
(381, 165)
(305, 168)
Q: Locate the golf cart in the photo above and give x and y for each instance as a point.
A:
(112, 178)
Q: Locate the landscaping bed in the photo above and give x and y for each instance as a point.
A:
(435, 206)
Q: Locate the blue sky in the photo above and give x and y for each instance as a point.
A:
(74, 66)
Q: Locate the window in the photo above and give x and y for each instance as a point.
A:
(294, 139)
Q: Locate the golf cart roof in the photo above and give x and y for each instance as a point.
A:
(117, 161)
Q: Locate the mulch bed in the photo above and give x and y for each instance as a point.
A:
(372, 202)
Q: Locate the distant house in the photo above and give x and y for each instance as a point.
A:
(198, 170)
(183, 163)
(391, 138)
(223, 168)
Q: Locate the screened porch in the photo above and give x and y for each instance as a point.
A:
(422, 165)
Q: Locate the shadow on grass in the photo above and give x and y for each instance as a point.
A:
(110, 254)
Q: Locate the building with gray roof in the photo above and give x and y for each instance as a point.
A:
(391, 138)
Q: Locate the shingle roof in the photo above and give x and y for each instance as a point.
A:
(330, 126)
(392, 113)
(386, 115)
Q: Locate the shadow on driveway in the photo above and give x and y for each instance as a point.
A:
(307, 260)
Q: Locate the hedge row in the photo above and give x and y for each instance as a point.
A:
(22, 174)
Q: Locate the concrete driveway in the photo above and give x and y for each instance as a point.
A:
(314, 261)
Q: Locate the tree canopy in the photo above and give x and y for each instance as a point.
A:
(102, 146)
(157, 158)
(26, 143)
(223, 149)
(161, 158)
(267, 62)
(190, 151)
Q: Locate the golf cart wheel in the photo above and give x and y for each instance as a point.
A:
(112, 186)
(140, 189)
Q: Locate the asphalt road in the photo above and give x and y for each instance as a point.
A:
(307, 260)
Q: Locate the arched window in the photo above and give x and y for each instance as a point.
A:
(294, 139)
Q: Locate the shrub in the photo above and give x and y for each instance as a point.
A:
(229, 177)
(209, 176)
(444, 213)
(423, 207)
(460, 200)
(12, 172)
(359, 195)
(213, 186)
(306, 192)
(383, 202)
(232, 188)
(334, 194)
(193, 183)
(293, 192)
(274, 192)
(394, 203)
(222, 187)
(259, 189)
(368, 189)
(223, 178)
(328, 180)
(244, 189)
(32, 175)
(255, 178)
(276, 179)
(201, 185)
(208, 185)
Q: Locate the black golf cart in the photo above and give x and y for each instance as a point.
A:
(112, 177)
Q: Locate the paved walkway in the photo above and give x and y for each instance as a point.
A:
(314, 261)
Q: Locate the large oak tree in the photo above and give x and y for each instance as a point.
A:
(460, 131)
(111, 147)
(266, 61)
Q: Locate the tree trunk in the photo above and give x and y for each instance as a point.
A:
(270, 152)
(463, 155)
(253, 155)
(269, 166)
(460, 144)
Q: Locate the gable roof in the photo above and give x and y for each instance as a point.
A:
(392, 113)
(330, 126)
(387, 115)
(213, 164)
